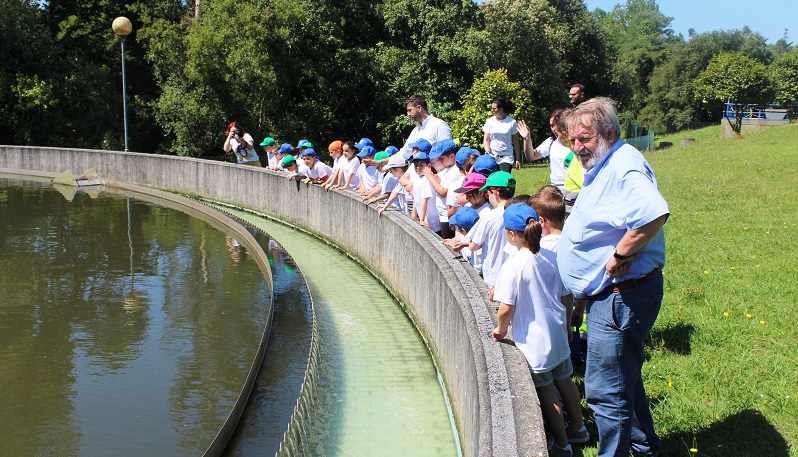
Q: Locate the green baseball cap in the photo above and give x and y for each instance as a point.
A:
(499, 179)
(268, 141)
(381, 155)
(288, 160)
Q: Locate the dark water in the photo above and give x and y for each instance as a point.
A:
(125, 328)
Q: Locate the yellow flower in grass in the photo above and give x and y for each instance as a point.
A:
(745, 228)
(762, 322)
(706, 272)
(748, 315)
(726, 314)
(670, 383)
(694, 450)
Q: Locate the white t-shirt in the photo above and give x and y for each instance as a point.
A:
(550, 242)
(251, 156)
(556, 152)
(369, 176)
(447, 177)
(318, 171)
(451, 196)
(531, 283)
(489, 233)
(478, 255)
(432, 129)
(350, 166)
(388, 183)
(501, 135)
(423, 189)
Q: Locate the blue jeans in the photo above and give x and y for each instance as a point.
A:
(618, 324)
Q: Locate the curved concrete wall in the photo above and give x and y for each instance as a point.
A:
(495, 406)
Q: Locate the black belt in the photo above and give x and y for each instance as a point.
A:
(629, 283)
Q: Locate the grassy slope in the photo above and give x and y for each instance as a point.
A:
(722, 375)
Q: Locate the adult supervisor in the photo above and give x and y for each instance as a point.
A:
(428, 126)
(611, 253)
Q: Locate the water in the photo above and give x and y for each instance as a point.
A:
(125, 328)
(379, 393)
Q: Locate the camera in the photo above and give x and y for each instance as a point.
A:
(237, 132)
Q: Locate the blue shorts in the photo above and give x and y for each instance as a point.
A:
(562, 371)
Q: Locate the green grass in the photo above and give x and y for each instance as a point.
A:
(722, 372)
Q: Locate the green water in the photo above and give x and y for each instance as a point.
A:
(380, 394)
(125, 328)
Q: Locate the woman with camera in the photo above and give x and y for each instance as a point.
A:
(242, 145)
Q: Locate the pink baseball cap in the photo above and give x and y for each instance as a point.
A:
(473, 181)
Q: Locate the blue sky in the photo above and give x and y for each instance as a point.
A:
(768, 17)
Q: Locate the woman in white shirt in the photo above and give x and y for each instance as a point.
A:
(556, 149)
(501, 135)
(242, 145)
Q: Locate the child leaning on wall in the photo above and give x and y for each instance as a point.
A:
(528, 290)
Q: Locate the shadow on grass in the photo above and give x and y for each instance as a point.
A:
(747, 433)
(674, 338)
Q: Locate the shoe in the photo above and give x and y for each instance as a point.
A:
(577, 436)
(557, 451)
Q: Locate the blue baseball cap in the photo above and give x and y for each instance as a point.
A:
(518, 215)
(421, 144)
(485, 165)
(465, 217)
(366, 151)
(442, 147)
(391, 150)
(308, 152)
(285, 148)
(462, 155)
(420, 156)
(363, 143)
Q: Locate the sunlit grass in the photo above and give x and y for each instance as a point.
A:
(721, 372)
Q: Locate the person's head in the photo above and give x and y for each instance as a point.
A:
(302, 144)
(462, 155)
(550, 206)
(268, 144)
(416, 108)
(397, 165)
(576, 94)
(522, 198)
(336, 149)
(234, 125)
(420, 162)
(522, 227)
(284, 149)
(464, 219)
(363, 143)
(443, 154)
(468, 164)
(309, 157)
(378, 158)
(391, 150)
(420, 145)
(555, 124)
(349, 150)
(366, 151)
(501, 108)
(472, 184)
(485, 165)
(499, 187)
(289, 163)
(593, 128)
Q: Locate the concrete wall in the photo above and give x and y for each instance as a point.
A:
(749, 126)
(495, 406)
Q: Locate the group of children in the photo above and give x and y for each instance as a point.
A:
(511, 241)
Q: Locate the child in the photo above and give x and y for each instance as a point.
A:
(375, 194)
(488, 234)
(283, 151)
(336, 152)
(367, 174)
(442, 159)
(549, 204)
(475, 199)
(529, 290)
(314, 170)
(269, 146)
(485, 165)
(289, 165)
(423, 195)
(463, 221)
(349, 165)
(392, 191)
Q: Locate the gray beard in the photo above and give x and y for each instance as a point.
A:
(602, 149)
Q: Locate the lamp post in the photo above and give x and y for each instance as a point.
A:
(122, 28)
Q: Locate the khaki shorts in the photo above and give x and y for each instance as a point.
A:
(560, 372)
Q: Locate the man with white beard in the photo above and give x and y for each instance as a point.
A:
(612, 252)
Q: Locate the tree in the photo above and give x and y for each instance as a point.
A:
(735, 78)
(467, 122)
(784, 74)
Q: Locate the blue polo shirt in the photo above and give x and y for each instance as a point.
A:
(619, 194)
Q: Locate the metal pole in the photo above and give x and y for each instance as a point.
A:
(124, 91)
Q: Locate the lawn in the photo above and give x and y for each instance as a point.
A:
(720, 373)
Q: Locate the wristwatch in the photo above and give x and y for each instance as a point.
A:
(618, 256)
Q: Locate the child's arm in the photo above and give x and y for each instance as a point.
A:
(422, 213)
(504, 316)
(435, 182)
(379, 197)
(367, 197)
(387, 204)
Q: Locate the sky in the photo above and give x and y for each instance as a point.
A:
(768, 17)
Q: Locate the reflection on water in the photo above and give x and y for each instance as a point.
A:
(125, 328)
